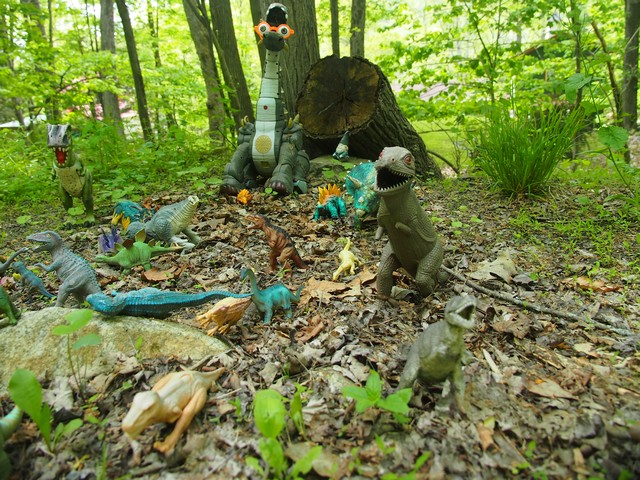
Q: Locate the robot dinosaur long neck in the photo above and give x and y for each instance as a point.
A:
(270, 110)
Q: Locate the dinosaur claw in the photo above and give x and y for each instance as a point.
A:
(279, 187)
(228, 190)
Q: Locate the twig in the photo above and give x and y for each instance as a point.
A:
(535, 307)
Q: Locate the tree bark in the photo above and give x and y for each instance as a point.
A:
(136, 72)
(258, 9)
(358, 17)
(353, 94)
(335, 28)
(109, 100)
(201, 35)
(227, 46)
(630, 66)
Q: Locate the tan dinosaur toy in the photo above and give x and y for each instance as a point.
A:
(177, 396)
(348, 261)
(224, 314)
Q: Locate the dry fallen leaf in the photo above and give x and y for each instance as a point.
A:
(587, 283)
(485, 432)
(547, 388)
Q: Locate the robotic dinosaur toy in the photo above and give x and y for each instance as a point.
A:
(74, 178)
(272, 148)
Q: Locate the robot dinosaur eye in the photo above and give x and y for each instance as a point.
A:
(262, 28)
(285, 30)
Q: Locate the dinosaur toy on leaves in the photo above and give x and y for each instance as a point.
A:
(281, 244)
(348, 261)
(330, 203)
(275, 296)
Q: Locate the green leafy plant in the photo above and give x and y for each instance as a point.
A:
(78, 319)
(270, 415)
(371, 396)
(519, 153)
(26, 392)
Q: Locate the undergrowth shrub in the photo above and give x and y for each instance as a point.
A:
(520, 152)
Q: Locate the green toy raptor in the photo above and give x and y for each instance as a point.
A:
(131, 254)
(74, 178)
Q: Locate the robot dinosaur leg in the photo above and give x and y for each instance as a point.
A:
(236, 171)
(282, 177)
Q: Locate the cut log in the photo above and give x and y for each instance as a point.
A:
(351, 93)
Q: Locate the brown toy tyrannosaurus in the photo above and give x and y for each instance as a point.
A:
(282, 247)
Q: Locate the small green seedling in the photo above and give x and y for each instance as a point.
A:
(78, 319)
(26, 392)
(371, 396)
(269, 413)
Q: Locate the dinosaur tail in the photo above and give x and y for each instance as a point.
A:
(105, 259)
(9, 424)
(297, 294)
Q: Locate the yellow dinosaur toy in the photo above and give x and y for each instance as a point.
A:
(348, 261)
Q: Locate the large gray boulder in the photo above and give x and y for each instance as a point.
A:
(30, 344)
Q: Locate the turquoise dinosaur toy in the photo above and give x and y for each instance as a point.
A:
(131, 254)
(4, 266)
(330, 203)
(275, 296)
(359, 184)
(8, 425)
(74, 178)
(30, 281)
(8, 308)
(127, 211)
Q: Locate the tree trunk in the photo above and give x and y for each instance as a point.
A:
(258, 8)
(353, 94)
(201, 35)
(109, 100)
(227, 47)
(136, 72)
(358, 16)
(630, 66)
(303, 50)
(335, 28)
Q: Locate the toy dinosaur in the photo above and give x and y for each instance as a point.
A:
(4, 266)
(77, 277)
(272, 148)
(348, 261)
(107, 241)
(74, 178)
(168, 222)
(8, 308)
(275, 296)
(330, 203)
(153, 302)
(175, 398)
(413, 243)
(225, 313)
(342, 150)
(437, 353)
(281, 244)
(131, 254)
(30, 280)
(359, 184)
(127, 211)
(8, 425)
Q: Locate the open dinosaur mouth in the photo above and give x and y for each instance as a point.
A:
(467, 312)
(387, 179)
(61, 154)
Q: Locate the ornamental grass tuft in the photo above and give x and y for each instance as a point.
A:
(520, 152)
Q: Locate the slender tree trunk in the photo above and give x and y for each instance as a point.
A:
(141, 96)
(303, 50)
(258, 9)
(335, 28)
(358, 17)
(109, 100)
(630, 66)
(224, 37)
(201, 35)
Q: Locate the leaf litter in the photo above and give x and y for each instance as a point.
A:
(549, 396)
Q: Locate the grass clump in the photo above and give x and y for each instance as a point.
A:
(519, 152)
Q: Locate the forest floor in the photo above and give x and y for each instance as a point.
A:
(548, 395)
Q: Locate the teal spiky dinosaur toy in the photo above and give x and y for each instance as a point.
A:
(267, 300)
(131, 254)
(8, 425)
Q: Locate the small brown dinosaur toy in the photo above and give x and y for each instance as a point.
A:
(437, 353)
(225, 314)
(282, 247)
(177, 396)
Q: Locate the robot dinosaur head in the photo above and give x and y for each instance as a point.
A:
(274, 31)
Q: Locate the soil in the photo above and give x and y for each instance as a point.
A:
(549, 395)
